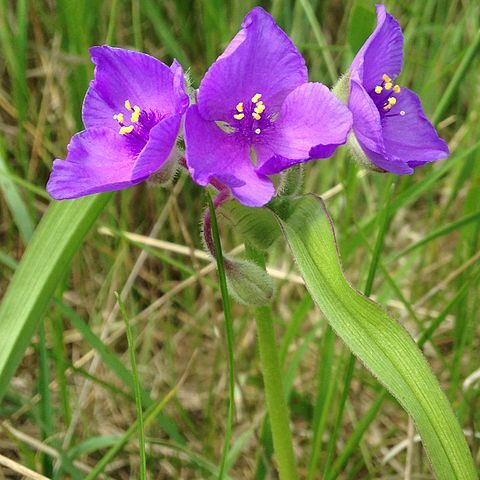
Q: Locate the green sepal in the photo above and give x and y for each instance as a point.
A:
(254, 225)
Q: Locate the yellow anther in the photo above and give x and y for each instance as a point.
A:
(118, 117)
(388, 86)
(238, 116)
(136, 114)
(386, 78)
(378, 89)
(387, 107)
(125, 130)
(256, 97)
(392, 101)
(256, 116)
(259, 108)
(257, 131)
(239, 107)
(397, 89)
(128, 105)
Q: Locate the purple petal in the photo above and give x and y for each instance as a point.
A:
(381, 54)
(212, 153)
(367, 127)
(98, 160)
(122, 75)
(366, 118)
(181, 98)
(410, 136)
(311, 124)
(260, 59)
(160, 143)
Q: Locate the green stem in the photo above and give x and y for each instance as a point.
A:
(274, 392)
(275, 395)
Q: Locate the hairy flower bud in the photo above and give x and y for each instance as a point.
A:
(255, 225)
(164, 176)
(248, 283)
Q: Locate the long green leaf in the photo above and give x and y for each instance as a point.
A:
(376, 339)
(57, 238)
(14, 200)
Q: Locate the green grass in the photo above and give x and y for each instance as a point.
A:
(70, 410)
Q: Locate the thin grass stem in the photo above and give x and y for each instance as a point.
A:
(229, 329)
(136, 384)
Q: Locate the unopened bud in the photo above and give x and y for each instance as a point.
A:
(248, 283)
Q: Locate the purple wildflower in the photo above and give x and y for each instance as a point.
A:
(132, 113)
(256, 114)
(388, 121)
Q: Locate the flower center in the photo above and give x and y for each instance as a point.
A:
(251, 119)
(134, 117)
(386, 94)
(138, 127)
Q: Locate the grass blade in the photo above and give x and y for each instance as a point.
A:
(45, 262)
(14, 201)
(136, 384)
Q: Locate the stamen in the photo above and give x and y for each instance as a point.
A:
(386, 78)
(397, 89)
(239, 107)
(392, 100)
(259, 108)
(257, 131)
(256, 116)
(128, 105)
(125, 130)
(256, 97)
(378, 89)
(238, 116)
(118, 117)
(388, 86)
(136, 114)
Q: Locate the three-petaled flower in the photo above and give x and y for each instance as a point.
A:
(390, 129)
(132, 113)
(257, 114)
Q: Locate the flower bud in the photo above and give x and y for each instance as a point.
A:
(248, 283)
(164, 176)
(342, 88)
(255, 225)
(291, 180)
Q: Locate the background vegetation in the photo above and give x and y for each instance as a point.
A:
(71, 406)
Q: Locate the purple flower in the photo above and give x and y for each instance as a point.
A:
(256, 114)
(388, 121)
(132, 113)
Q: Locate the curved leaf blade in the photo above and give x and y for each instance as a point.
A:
(382, 344)
(47, 258)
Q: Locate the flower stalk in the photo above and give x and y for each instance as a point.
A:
(274, 391)
(211, 225)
